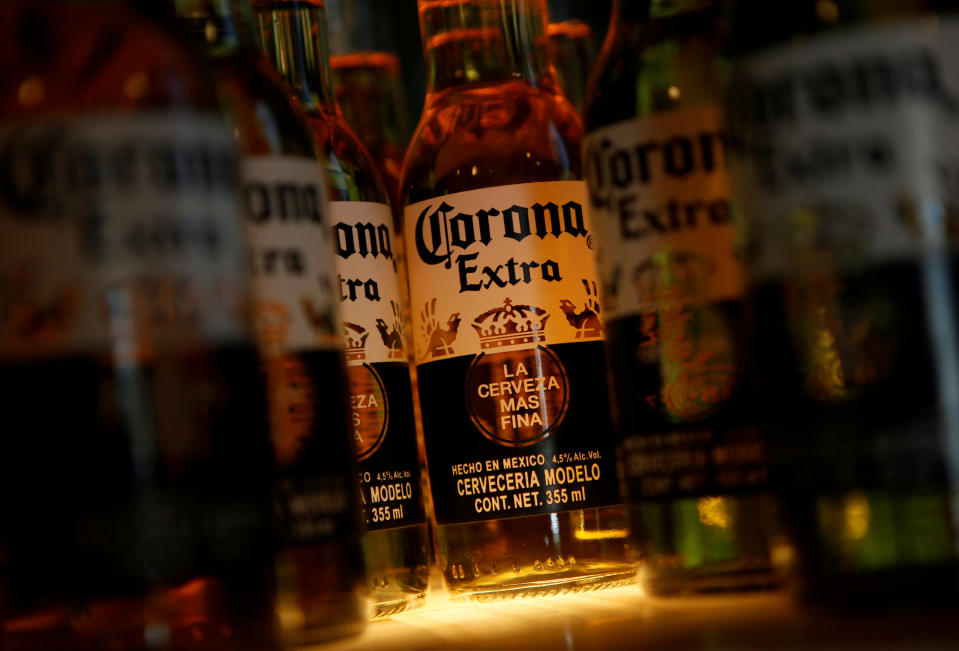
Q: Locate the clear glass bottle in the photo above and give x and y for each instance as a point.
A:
(673, 289)
(570, 50)
(368, 88)
(843, 126)
(524, 482)
(321, 581)
(396, 544)
(135, 464)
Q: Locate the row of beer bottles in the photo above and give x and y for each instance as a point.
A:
(123, 277)
(773, 190)
(183, 427)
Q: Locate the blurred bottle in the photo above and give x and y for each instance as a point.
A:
(367, 84)
(508, 336)
(321, 581)
(570, 51)
(843, 129)
(673, 287)
(397, 542)
(135, 463)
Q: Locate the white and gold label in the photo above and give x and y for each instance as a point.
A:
(119, 233)
(843, 148)
(368, 282)
(660, 197)
(291, 253)
(501, 268)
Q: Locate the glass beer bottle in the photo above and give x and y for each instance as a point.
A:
(507, 327)
(321, 581)
(135, 462)
(843, 118)
(396, 544)
(673, 287)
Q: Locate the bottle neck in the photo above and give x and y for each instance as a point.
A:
(636, 11)
(293, 35)
(483, 41)
(225, 27)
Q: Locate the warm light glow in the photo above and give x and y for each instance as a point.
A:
(31, 91)
(673, 92)
(136, 85)
(855, 515)
(827, 10)
(713, 512)
(600, 534)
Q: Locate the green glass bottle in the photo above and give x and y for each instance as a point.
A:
(843, 126)
(396, 543)
(694, 457)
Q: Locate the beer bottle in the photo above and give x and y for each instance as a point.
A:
(508, 332)
(397, 540)
(367, 86)
(693, 455)
(843, 129)
(570, 51)
(321, 581)
(135, 460)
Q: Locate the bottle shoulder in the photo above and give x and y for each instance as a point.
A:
(259, 106)
(91, 58)
(656, 68)
(491, 135)
(351, 172)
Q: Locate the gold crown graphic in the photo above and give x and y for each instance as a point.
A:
(355, 340)
(510, 325)
(669, 276)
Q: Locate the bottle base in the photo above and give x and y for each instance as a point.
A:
(507, 587)
(742, 577)
(398, 605)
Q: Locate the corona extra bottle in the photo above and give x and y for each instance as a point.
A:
(673, 289)
(135, 462)
(844, 120)
(505, 308)
(321, 582)
(397, 540)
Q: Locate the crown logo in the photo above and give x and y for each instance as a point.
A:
(355, 336)
(510, 325)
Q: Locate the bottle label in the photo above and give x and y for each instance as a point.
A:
(119, 235)
(133, 448)
(672, 283)
(297, 317)
(843, 149)
(515, 409)
(381, 401)
(660, 198)
(846, 146)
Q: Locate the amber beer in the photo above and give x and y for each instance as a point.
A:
(507, 326)
(844, 123)
(135, 464)
(321, 579)
(367, 289)
(695, 461)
